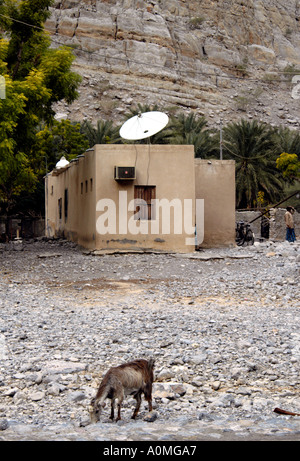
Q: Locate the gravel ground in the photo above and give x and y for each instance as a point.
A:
(222, 325)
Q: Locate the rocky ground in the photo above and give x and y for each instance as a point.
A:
(222, 325)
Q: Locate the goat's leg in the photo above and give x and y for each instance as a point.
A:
(148, 397)
(119, 412)
(120, 400)
(112, 411)
(138, 399)
(150, 403)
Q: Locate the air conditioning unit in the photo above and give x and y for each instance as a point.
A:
(124, 172)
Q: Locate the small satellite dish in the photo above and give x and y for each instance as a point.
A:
(62, 163)
(144, 125)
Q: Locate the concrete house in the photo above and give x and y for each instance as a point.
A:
(142, 197)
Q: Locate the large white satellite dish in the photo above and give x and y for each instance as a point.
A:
(143, 125)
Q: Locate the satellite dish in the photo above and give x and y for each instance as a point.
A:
(144, 125)
(62, 163)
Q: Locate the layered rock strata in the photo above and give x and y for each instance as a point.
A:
(222, 59)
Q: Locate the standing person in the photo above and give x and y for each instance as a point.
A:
(289, 221)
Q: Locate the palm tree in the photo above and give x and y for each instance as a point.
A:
(190, 129)
(288, 150)
(287, 140)
(104, 132)
(140, 109)
(251, 145)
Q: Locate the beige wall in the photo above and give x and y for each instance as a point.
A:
(55, 186)
(169, 168)
(85, 204)
(215, 183)
(91, 179)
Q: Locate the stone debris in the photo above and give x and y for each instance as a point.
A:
(221, 324)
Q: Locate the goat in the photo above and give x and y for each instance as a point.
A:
(131, 378)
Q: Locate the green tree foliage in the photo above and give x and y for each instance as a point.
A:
(103, 133)
(288, 148)
(289, 164)
(190, 129)
(36, 76)
(27, 42)
(251, 145)
(59, 139)
(287, 140)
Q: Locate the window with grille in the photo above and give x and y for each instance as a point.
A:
(144, 207)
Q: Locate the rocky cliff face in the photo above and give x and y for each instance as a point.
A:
(222, 59)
